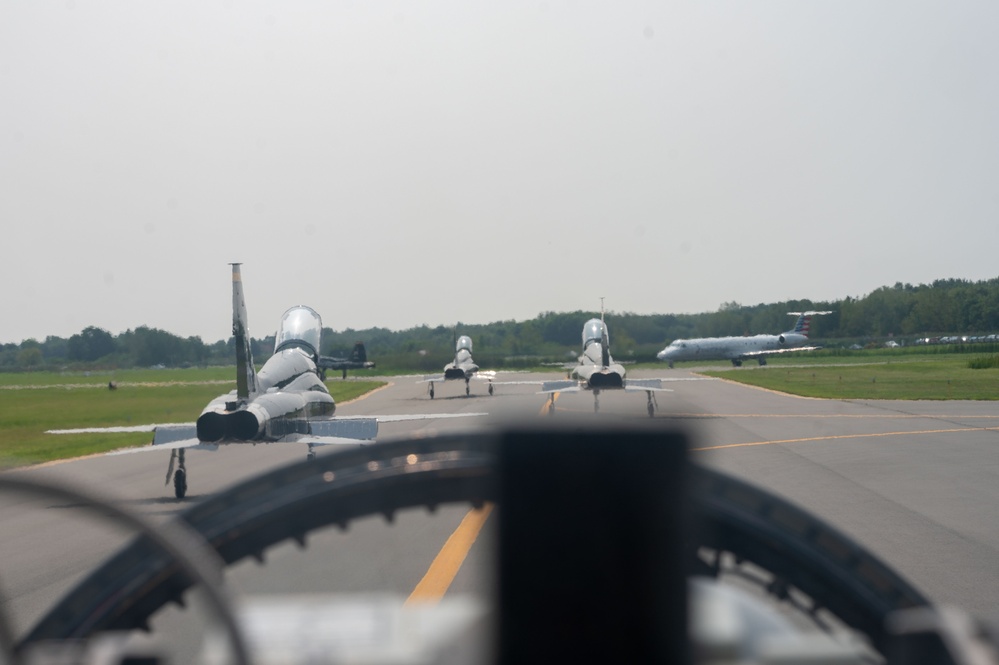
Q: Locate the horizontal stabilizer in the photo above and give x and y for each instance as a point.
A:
(559, 386)
(171, 433)
(189, 444)
(643, 384)
(412, 416)
(125, 429)
(348, 428)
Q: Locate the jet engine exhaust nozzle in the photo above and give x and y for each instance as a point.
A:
(608, 380)
(237, 425)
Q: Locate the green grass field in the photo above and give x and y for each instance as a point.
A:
(33, 403)
(880, 375)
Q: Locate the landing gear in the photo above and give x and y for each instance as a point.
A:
(736, 362)
(596, 400)
(551, 405)
(670, 363)
(311, 455)
(180, 476)
(651, 405)
(490, 389)
(431, 390)
(763, 361)
(467, 389)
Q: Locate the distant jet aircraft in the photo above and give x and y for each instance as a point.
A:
(358, 360)
(596, 371)
(462, 367)
(738, 349)
(286, 401)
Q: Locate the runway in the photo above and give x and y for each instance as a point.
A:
(916, 482)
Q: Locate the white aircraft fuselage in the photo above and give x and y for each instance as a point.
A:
(738, 349)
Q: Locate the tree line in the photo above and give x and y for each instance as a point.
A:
(902, 311)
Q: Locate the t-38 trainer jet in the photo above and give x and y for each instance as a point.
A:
(462, 367)
(596, 371)
(286, 401)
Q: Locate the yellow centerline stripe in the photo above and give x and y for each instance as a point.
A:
(448, 561)
(850, 436)
(550, 400)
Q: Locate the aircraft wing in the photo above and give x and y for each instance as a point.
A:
(127, 428)
(189, 444)
(566, 386)
(754, 354)
(645, 385)
(326, 362)
(412, 416)
(431, 377)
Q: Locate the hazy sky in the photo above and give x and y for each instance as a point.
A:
(398, 163)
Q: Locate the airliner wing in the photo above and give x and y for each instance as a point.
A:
(754, 354)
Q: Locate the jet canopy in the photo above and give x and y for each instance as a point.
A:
(464, 342)
(301, 326)
(593, 331)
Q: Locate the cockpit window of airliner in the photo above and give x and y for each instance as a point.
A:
(300, 325)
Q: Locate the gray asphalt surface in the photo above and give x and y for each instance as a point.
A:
(916, 482)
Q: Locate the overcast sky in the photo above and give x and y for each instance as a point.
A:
(399, 163)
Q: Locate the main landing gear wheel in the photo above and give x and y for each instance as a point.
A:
(596, 401)
(431, 391)
(468, 390)
(490, 389)
(180, 477)
(180, 483)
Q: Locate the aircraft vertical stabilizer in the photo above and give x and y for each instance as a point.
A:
(246, 375)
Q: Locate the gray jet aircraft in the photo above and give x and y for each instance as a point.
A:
(286, 401)
(596, 371)
(462, 367)
(358, 360)
(737, 349)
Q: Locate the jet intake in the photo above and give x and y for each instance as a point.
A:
(237, 425)
(454, 373)
(781, 340)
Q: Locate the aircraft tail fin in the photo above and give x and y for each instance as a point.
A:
(359, 355)
(604, 338)
(804, 323)
(246, 375)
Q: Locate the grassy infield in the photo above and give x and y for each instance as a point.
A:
(32, 403)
